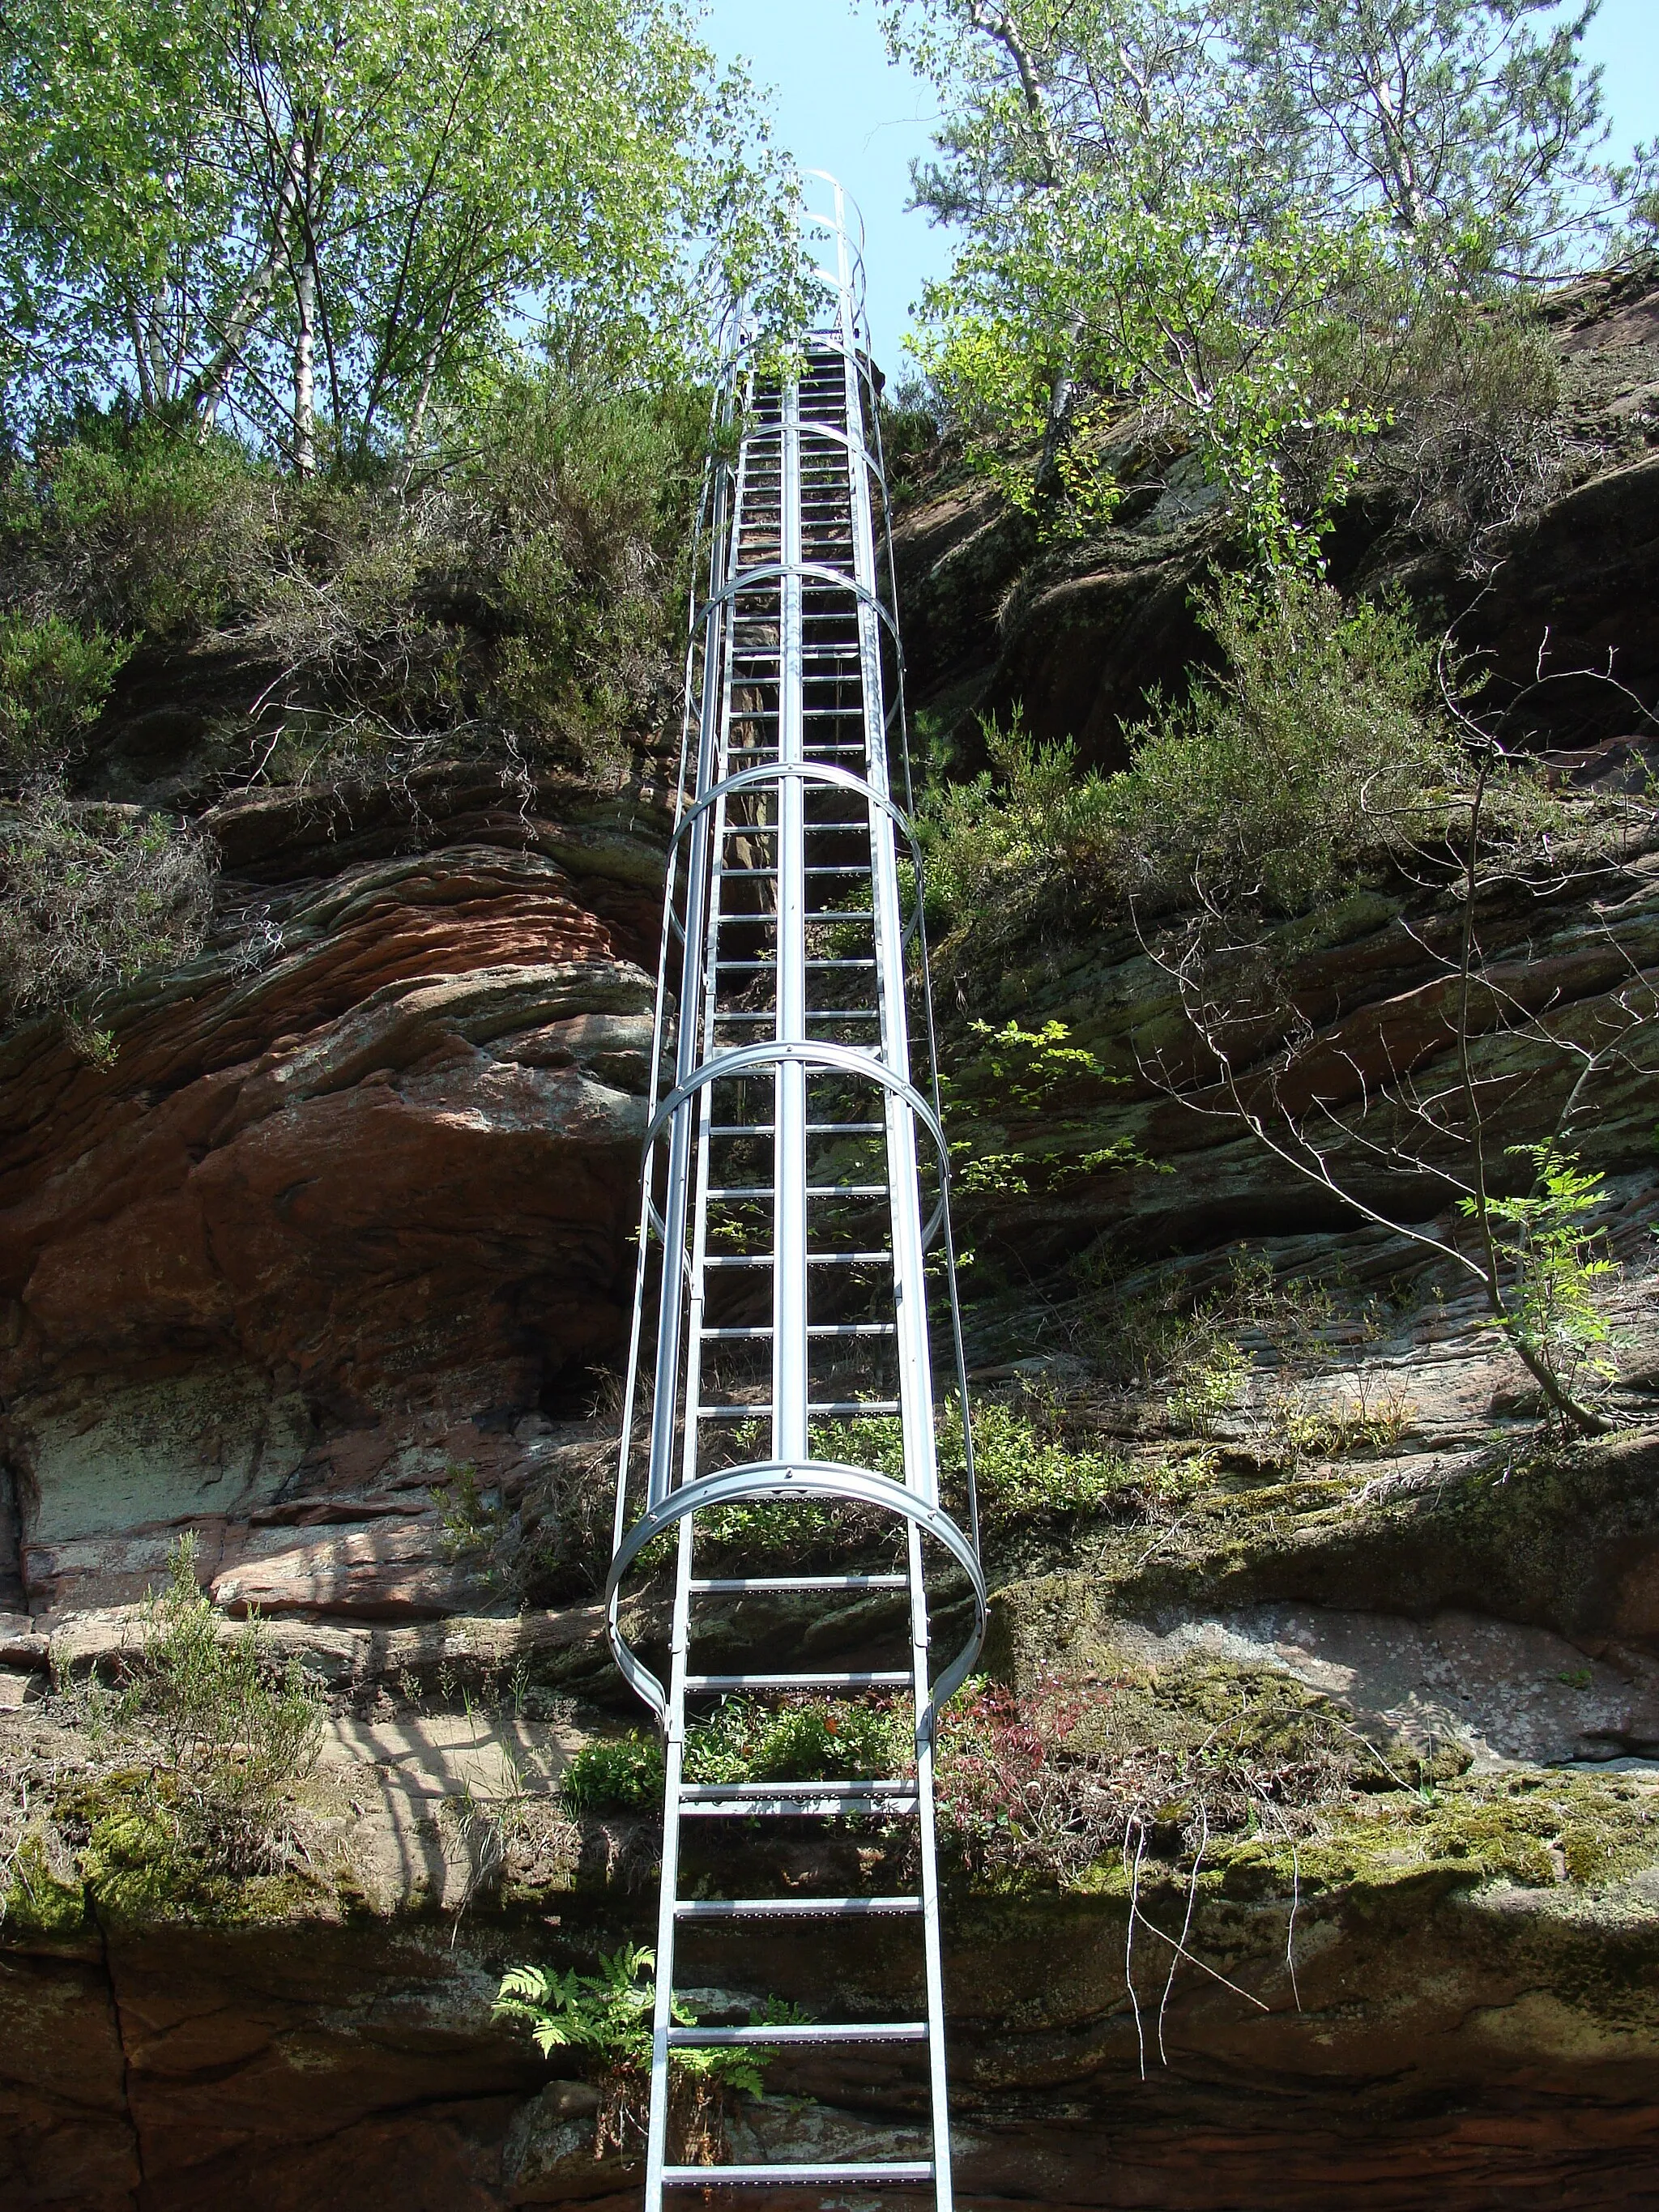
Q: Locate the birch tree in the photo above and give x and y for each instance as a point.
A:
(318, 218)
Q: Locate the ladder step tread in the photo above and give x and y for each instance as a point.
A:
(760, 1330)
(801, 1809)
(795, 1908)
(875, 2030)
(846, 1677)
(710, 1793)
(813, 1190)
(733, 1585)
(813, 1259)
(710, 2177)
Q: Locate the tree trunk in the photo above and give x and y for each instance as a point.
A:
(305, 369)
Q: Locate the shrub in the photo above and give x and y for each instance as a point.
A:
(1479, 444)
(54, 680)
(1024, 1466)
(522, 597)
(91, 896)
(151, 531)
(1321, 744)
(233, 1732)
(572, 530)
(1034, 1791)
(616, 1774)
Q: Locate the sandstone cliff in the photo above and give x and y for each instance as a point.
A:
(330, 1260)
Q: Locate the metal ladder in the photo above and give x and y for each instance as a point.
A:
(794, 1217)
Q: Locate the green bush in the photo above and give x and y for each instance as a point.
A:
(1321, 745)
(90, 896)
(1477, 443)
(799, 1739)
(234, 1732)
(1023, 1467)
(616, 1774)
(571, 529)
(155, 532)
(54, 679)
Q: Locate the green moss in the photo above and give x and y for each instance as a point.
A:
(39, 1902)
(1537, 1830)
(132, 1866)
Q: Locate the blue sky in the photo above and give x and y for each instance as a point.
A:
(840, 106)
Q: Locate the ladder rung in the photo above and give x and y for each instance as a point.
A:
(794, 1908)
(733, 1414)
(882, 1678)
(813, 1190)
(851, 1408)
(819, 1328)
(883, 2031)
(821, 1808)
(731, 1585)
(707, 2177)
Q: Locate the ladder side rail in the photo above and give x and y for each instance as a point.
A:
(662, 2020)
(928, 1857)
(910, 1257)
(789, 1218)
(724, 499)
(671, 1309)
(697, 1272)
(924, 970)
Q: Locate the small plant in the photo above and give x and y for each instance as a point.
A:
(234, 1734)
(606, 2017)
(614, 1774)
(1024, 1464)
(1207, 1390)
(1557, 1268)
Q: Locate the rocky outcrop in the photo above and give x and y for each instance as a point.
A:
(1456, 2017)
(1079, 634)
(347, 1203)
